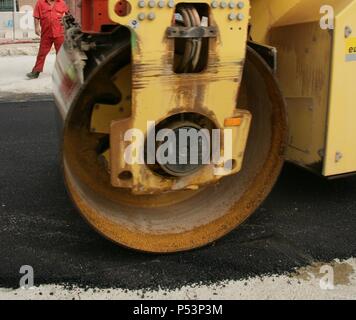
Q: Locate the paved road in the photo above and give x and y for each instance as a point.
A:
(305, 219)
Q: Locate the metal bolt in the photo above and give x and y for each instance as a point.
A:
(214, 4)
(151, 3)
(134, 24)
(232, 16)
(141, 16)
(161, 4)
(232, 5)
(338, 156)
(151, 16)
(141, 4)
(240, 16)
(171, 3)
(348, 31)
(321, 153)
(240, 5)
(223, 4)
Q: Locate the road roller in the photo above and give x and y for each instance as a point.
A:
(177, 116)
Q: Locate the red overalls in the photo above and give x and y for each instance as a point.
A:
(52, 31)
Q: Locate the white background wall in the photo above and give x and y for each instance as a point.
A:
(24, 26)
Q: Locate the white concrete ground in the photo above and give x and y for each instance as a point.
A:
(13, 69)
(307, 283)
(19, 49)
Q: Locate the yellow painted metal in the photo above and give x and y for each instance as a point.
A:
(340, 154)
(269, 14)
(315, 78)
(304, 74)
(315, 71)
(103, 114)
(158, 92)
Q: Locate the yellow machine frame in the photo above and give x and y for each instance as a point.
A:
(316, 71)
(157, 92)
(315, 68)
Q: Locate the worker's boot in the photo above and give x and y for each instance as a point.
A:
(33, 75)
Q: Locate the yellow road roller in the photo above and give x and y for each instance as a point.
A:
(177, 116)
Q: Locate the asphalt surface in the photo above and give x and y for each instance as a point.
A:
(305, 219)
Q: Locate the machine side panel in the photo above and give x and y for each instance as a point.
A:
(303, 71)
(341, 135)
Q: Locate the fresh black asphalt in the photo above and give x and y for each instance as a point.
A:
(305, 219)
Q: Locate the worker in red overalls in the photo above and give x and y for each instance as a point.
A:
(48, 16)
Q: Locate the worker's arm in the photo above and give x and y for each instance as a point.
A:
(37, 17)
(37, 26)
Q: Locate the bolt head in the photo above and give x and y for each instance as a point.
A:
(214, 4)
(348, 31)
(141, 16)
(240, 16)
(134, 24)
(151, 16)
(223, 4)
(232, 16)
(241, 5)
(338, 156)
